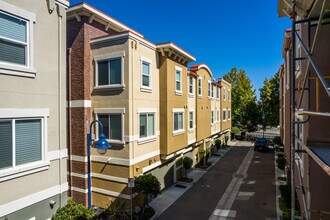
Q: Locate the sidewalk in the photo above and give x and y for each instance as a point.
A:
(170, 195)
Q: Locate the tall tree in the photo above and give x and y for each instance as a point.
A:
(244, 106)
(269, 98)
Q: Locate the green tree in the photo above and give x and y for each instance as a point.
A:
(243, 96)
(149, 186)
(269, 98)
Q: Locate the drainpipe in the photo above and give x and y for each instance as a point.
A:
(69, 114)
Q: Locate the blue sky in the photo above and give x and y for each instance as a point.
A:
(222, 34)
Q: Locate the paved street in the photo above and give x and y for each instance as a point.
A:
(240, 186)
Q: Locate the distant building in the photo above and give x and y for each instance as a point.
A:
(33, 152)
(305, 104)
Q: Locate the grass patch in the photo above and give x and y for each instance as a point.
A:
(186, 179)
(281, 178)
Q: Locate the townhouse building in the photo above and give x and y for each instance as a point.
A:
(146, 98)
(33, 153)
(305, 104)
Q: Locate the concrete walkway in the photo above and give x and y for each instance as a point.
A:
(170, 195)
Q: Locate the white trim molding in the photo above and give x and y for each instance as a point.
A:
(57, 154)
(151, 167)
(80, 104)
(112, 193)
(26, 201)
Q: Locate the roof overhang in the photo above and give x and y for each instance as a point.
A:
(221, 80)
(171, 50)
(286, 41)
(303, 8)
(83, 9)
(201, 66)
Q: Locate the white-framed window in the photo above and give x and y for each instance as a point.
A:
(212, 117)
(191, 85)
(229, 114)
(223, 114)
(146, 75)
(212, 91)
(113, 124)
(229, 95)
(209, 89)
(147, 125)
(178, 121)
(218, 92)
(200, 86)
(23, 135)
(178, 80)
(218, 115)
(16, 41)
(109, 71)
(224, 94)
(191, 120)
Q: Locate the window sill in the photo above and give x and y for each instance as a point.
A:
(212, 124)
(111, 87)
(17, 70)
(191, 130)
(178, 93)
(191, 95)
(218, 99)
(147, 140)
(116, 142)
(199, 96)
(23, 170)
(146, 89)
(178, 132)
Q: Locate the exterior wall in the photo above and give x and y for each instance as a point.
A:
(169, 101)
(216, 106)
(44, 88)
(192, 107)
(225, 105)
(203, 110)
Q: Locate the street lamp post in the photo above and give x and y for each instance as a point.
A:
(102, 146)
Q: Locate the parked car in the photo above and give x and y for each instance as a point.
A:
(261, 144)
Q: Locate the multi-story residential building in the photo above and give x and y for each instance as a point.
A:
(144, 95)
(225, 106)
(305, 104)
(33, 154)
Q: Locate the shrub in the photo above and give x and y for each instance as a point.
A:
(187, 164)
(218, 143)
(226, 139)
(148, 185)
(73, 211)
(281, 162)
(116, 210)
(277, 140)
(286, 194)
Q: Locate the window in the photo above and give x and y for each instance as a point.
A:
(218, 115)
(229, 95)
(199, 86)
(209, 89)
(16, 28)
(224, 115)
(109, 72)
(178, 121)
(224, 94)
(229, 114)
(212, 117)
(178, 80)
(218, 92)
(191, 120)
(191, 85)
(21, 142)
(145, 74)
(212, 91)
(112, 126)
(147, 125)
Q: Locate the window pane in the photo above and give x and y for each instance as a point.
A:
(143, 126)
(12, 28)
(115, 127)
(28, 141)
(180, 121)
(151, 123)
(6, 149)
(145, 80)
(104, 119)
(178, 86)
(12, 53)
(145, 68)
(178, 75)
(115, 71)
(176, 121)
(103, 68)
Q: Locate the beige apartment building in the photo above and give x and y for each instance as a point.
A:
(144, 95)
(305, 104)
(33, 154)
